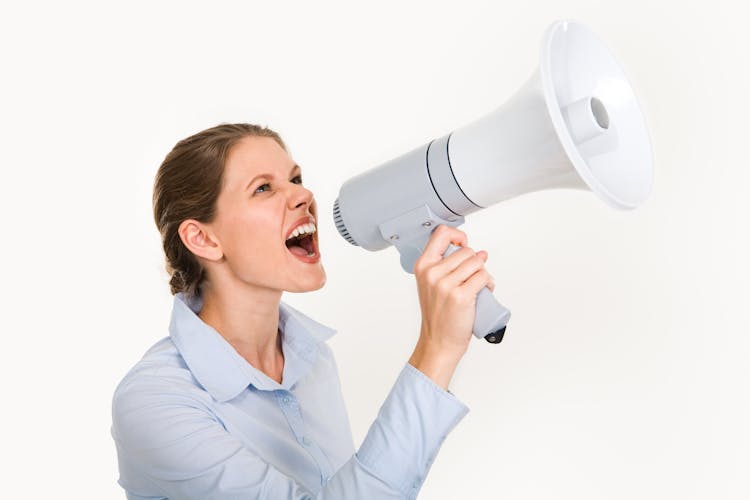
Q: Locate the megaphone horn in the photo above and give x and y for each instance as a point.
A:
(574, 124)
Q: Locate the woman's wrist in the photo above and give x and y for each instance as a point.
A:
(437, 363)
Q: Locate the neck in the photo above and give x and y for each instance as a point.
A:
(248, 319)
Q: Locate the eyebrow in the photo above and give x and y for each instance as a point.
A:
(269, 176)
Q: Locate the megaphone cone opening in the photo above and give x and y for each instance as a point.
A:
(614, 159)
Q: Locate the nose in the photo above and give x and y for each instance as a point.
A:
(300, 196)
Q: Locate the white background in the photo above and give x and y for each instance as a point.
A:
(624, 373)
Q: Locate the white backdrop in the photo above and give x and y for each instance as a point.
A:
(624, 372)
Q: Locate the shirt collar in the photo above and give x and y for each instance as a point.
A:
(221, 370)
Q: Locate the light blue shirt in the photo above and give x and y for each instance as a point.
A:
(194, 420)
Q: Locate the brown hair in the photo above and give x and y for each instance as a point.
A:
(187, 186)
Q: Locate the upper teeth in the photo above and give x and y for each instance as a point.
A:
(303, 229)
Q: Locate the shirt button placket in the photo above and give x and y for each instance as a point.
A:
(291, 410)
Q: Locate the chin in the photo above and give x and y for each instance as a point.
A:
(309, 285)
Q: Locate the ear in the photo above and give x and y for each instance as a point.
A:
(199, 239)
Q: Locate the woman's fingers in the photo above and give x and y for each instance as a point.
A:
(465, 269)
(476, 282)
(454, 270)
(450, 263)
(438, 244)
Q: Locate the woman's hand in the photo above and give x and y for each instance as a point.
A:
(447, 289)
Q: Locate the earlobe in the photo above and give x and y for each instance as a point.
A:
(199, 240)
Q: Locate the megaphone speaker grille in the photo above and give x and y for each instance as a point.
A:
(339, 221)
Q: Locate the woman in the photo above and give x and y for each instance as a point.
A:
(242, 399)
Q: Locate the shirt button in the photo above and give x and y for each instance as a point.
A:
(287, 399)
(306, 441)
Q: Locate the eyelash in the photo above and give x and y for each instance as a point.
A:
(267, 184)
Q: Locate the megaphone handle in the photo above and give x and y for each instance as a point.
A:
(491, 317)
(410, 232)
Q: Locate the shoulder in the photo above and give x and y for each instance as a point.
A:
(158, 383)
(160, 365)
(164, 423)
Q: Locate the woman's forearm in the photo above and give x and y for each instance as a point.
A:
(436, 363)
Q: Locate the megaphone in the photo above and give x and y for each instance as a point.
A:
(575, 124)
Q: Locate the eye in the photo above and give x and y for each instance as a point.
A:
(261, 189)
(297, 180)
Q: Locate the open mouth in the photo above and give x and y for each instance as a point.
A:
(302, 245)
(302, 241)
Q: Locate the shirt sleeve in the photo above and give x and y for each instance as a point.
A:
(412, 424)
(179, 447)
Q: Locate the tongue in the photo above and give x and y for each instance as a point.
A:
(298, 250)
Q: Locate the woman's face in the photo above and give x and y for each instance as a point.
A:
(261, 202)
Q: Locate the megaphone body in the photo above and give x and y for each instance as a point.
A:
(574, 124)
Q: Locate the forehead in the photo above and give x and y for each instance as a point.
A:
(252, 156)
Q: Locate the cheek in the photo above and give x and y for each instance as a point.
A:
(252, 239)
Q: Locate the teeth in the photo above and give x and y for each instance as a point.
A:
(303, 229)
